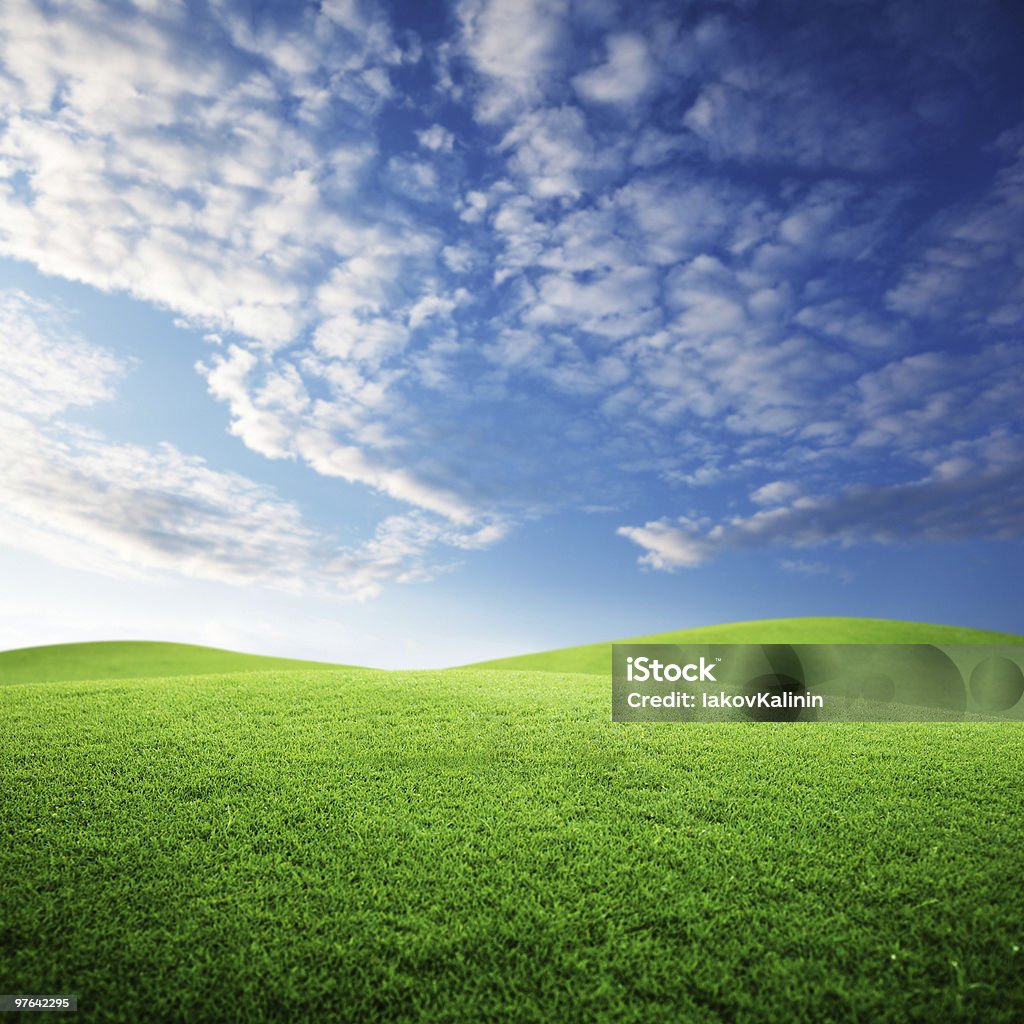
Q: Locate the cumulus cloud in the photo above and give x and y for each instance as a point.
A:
(133, 510)
(623, 77)
(436, 138)
(551, 150)
(74, 496)
(931, 398)
(514, 45)
(559, 305)
(668, 545)
(141, 160)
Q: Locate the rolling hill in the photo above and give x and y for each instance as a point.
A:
(596, 658)
(124, 659)
(128, 659)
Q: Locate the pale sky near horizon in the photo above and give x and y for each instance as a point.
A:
(411, 334)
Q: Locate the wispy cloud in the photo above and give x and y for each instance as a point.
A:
(75, 497)
(45, 367)
(968, 267)
(962, 498)
(803, 567)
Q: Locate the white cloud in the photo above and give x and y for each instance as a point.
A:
(551, 151)
(45, 367)
(458, 258)
(445, 324)
(270, 412)
(677, 217)
(842, 320)
(616, 304)
(931, 397)
(396, 552)
(983, 497)
(330, 457)
(775, 493)
(153, 164)
(668, 546)
(418, 179)
(263, 418)
(124, 508)
(429, 307)
(77, 498)
(132, 510)
(514, 45)
(969, 266)
(436, 138)
(625, 75)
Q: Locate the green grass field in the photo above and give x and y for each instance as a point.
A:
(476, 845)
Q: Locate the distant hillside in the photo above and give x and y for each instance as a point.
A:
(125, 659)
(596, 658)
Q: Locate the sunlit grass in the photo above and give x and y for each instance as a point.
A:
(472, 846)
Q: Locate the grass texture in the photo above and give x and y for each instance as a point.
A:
(472, 846)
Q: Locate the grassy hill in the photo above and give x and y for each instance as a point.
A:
(596, 658)
(128, 659)
(151, 659)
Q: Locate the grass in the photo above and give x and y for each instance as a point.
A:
(597, 658)
(128, 659)
(472, 846)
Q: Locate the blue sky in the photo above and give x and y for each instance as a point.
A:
(410, 334)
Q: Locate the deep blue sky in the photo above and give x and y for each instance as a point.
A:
(407, 334)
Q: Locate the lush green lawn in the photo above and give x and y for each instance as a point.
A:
(482, 846)
(598, 657)
(127, 659)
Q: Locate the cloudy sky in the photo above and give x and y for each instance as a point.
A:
(407, 334)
